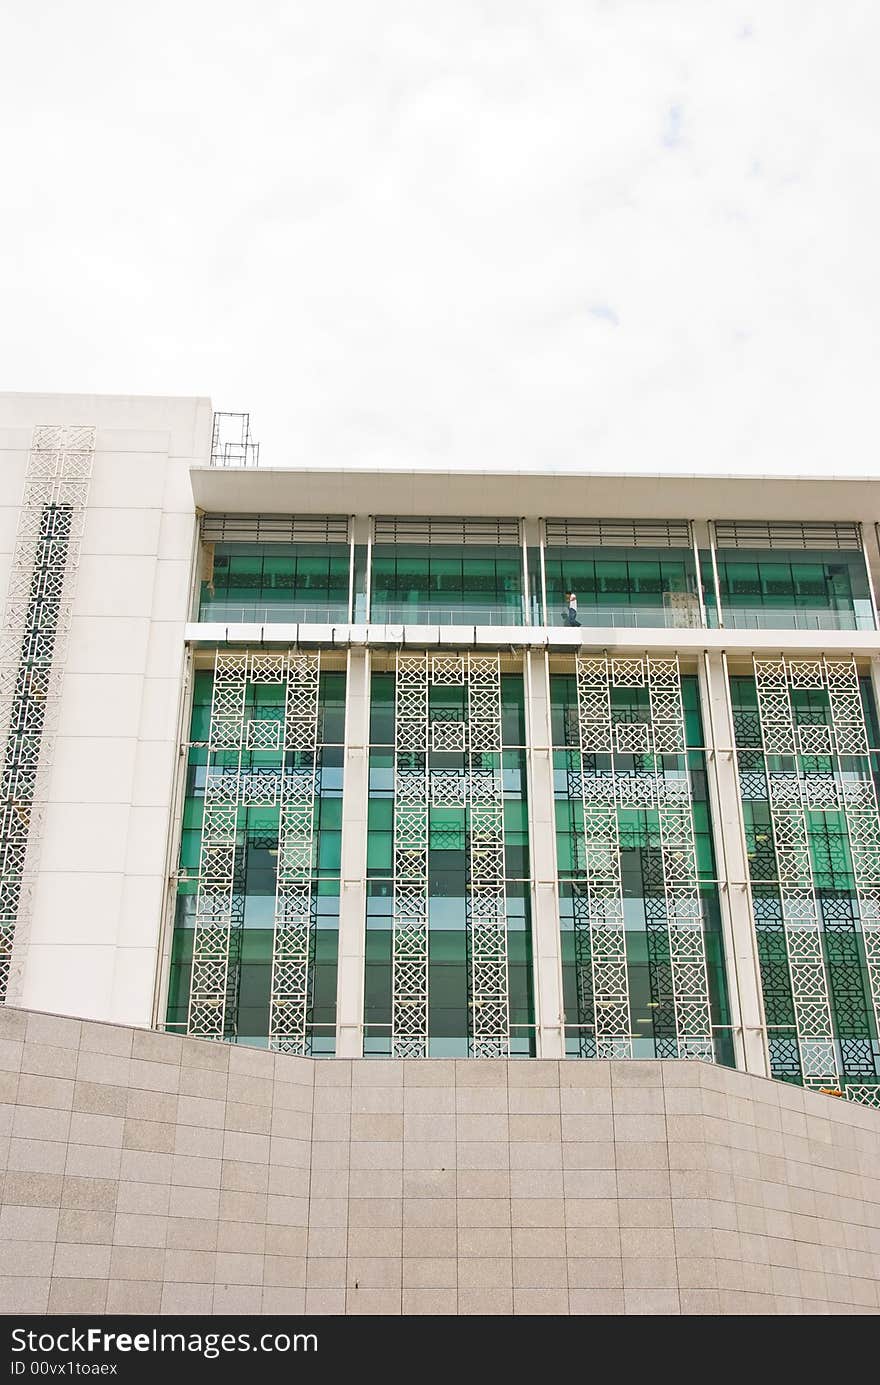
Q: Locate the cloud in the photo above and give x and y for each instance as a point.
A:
(603, 234)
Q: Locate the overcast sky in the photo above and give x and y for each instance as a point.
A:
(606, 234)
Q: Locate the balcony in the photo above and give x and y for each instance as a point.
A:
(793, 589)
(273, 612)
(274, 570)
(670, 617)
(793, 618)
(460, 613)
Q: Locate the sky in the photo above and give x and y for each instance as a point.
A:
(569, 234)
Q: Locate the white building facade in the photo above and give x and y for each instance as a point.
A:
(326, 761)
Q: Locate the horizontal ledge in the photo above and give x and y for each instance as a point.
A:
(594, 638)
(495, 493)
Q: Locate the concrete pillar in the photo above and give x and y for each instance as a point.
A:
(700, 530)
(546, 942)
(875, 689)
(871, 551)
(353, 870)
(740, 946)
(172, 844)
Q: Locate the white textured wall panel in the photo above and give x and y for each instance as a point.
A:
(94, 937)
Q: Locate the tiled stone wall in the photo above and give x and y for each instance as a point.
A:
(148, 1173)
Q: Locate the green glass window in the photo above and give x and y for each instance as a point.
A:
(644, 900)
(622, 586)
(791, 589)
(277, 582)
(447, 584)
(448, 960)
(831, 896)
(255, 871)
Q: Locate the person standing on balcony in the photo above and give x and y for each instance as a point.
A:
(572, 601)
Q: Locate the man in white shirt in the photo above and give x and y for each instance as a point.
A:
(572, 600)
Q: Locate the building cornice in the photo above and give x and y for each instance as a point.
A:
(534, 494)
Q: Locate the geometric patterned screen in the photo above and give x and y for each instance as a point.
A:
(813, 830)
(626, 765)
(258, 761)
(36, 621)
(428, 754)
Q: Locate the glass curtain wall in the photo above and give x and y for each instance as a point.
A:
(279, 800)
(430, 799)
(447, 584)
(642, 949)
(439, 580)
(807, 749)
(623, 586)
(790, 589)
(276, 582)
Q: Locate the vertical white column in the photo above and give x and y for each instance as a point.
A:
(293, 938)
(524, 544)
(546, 941)
(875, 686)
(871, 555)
(697, 530)
(353, 872)
(162, 980)
(740, 944)
(701, 540)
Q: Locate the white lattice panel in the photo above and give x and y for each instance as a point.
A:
(409, 964)
(861, 812)
(792, 792)
(687, 947)
(298, 793)
(33, 647)
(206, 1016)
(667, 789)
(600, 851)
(480, 789)
(232, 783)
(865, 1094)
(487, 914)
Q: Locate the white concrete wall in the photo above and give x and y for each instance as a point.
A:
(102, 868)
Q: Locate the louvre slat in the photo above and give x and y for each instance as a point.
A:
(618, 533)
(784, 534)
(444, 529)
(275, 528)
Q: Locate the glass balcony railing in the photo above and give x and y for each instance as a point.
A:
(791, 589)
(591, 616)
(793, 618)
(274, 612)
(461, 613)
(668, 617)
(330, 612)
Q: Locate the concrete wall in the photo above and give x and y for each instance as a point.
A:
(149, 1173)
(102, 864)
